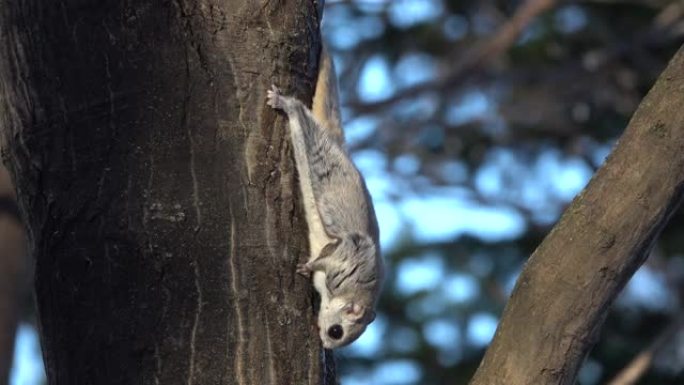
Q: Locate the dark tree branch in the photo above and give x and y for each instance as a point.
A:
(563, 294)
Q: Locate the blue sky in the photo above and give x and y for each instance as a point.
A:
(28, 366)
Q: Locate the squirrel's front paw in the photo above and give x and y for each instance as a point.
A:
(274, 98)
(304, 269)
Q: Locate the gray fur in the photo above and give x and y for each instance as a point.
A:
(349, 257)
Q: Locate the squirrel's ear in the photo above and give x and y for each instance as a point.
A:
(354, 312)
(329, 248)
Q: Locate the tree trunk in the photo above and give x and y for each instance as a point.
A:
(562, 295)
(161, 200)
(13, 273)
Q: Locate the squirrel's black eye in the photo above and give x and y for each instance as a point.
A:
(335, 332)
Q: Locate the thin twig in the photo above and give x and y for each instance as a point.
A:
(475, 59)
(637, 368)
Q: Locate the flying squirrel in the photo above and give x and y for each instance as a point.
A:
(344, 263)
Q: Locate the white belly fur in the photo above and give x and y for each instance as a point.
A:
(318, 238)
(319, 284)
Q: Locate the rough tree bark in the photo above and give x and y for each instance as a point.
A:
(563, 293)
(159, 193)
(13, 272)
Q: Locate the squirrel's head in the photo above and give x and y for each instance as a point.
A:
(351, 290)
(343, 321)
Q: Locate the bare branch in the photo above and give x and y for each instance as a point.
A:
(475, 59)
(563, 294)
(640, 364)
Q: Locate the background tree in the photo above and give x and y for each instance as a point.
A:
(158, 188)
(14, 273)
